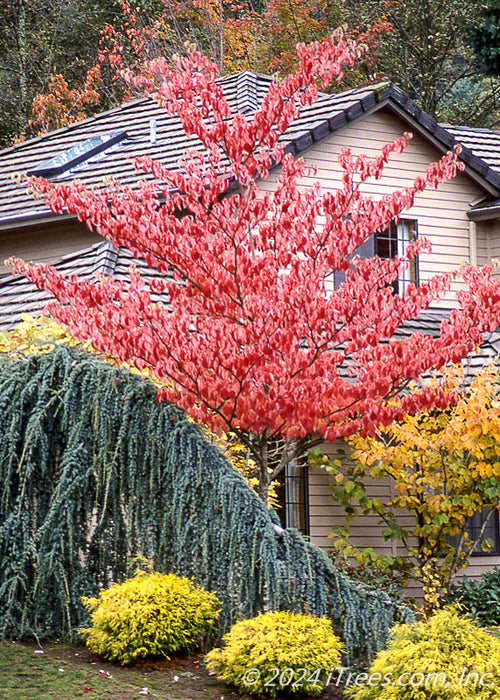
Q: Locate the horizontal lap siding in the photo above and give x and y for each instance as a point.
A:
(483, 234)
(478, 566)
(442, 218)
(46, 245)
(494, 244)
(442, 213)
(488, 244)
(366, 531)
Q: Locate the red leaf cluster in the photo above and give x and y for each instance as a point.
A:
(254, 336)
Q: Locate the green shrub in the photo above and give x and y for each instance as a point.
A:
(480, 598)
(150, 614)
(377, 571)
(446, 657)
(281, 652)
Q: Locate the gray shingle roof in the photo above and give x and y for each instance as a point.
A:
(484, 143)
(18, 296)
(244, 91)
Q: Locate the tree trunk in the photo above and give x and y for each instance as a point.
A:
(22, 47)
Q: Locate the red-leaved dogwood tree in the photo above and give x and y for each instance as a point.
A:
(254, 340)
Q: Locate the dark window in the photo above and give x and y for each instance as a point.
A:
(394, 241)
(387, 244)
(490, 533)
(293, 496)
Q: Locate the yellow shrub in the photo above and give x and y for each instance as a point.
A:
(150, 615)
(278, 652)
(446, 657)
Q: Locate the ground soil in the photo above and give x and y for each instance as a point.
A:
(180, 678)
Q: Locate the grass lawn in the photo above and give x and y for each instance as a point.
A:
(66, 672)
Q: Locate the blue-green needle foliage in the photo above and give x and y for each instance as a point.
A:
(93, 472)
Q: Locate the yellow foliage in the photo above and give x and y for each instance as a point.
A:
(34, 336)
(303, 648)
(150, 614)
(239, 457)
(444, 466)
(446, 657)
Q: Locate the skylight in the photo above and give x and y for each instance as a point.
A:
(77, 154)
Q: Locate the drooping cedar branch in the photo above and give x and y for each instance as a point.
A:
(94, 471)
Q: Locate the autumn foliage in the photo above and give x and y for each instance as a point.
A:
(444, 468)
(234, 35)
(256, 341)
(61, 106)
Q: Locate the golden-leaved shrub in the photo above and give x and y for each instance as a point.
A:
(150, 614)
(278, 652)
(446, 657)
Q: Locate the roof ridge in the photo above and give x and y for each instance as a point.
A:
(246, 92)
(106, 258)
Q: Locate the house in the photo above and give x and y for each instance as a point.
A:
(461, 218)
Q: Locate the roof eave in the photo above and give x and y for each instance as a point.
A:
(11, 223)
(429, 128)
(388, 96)
(484, 213)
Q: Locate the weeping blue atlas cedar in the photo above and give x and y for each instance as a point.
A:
(94, 471)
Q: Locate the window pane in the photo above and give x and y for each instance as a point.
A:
(293, 496)
(490, 533)
(394, 241)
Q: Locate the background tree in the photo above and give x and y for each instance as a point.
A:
(236, 35)
(431, 54)
(444, 468)
(439, 51)
(255, 341)
(487, 36)
(38, 37)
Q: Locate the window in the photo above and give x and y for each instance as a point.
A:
(80, 153)
(293, 496)
(387, 244)
(490, 533)
(394, 241)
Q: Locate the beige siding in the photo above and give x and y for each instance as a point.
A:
(478, 565)
(366, 531)
(441, 213)
(325, 513)
(488, 244)
(483, 232)
(494, 245)
(442, 218)
(46, 244)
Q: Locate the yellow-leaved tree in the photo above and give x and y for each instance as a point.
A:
(444, 470)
